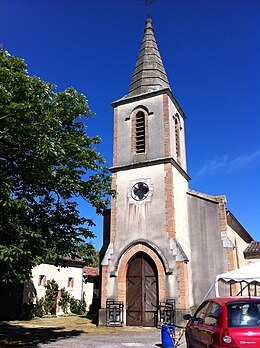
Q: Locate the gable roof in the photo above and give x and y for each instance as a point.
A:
(90, 271)
(236, 226)
(252, 251)
(67, 261)
(214, 199)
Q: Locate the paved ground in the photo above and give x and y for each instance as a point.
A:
(143, 337)
(77, 332)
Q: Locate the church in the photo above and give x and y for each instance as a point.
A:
(162, 240)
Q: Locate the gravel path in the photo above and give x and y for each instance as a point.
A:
(145, 337)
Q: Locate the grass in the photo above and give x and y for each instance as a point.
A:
(65, 322)
(44, 330)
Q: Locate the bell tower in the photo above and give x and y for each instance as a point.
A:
(146, 242)
(134, 140)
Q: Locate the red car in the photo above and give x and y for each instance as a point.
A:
(232, 322)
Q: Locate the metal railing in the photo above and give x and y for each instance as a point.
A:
(166, 312)
(114, 313)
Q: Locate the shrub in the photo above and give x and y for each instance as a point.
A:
(51, 296)
(64, 301)
(47, 304)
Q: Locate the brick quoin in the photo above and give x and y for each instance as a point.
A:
(103, 286)
(223, 228)
(133, 137)
(232, 264)
(183, 288)
(146, 131)
(231, 259)
(169, 202)
(113, 211)
(122, 270)
(166, 116)
(223, 216)
(231, 254)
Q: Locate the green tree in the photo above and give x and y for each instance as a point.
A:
(88, 253)
(47, 161)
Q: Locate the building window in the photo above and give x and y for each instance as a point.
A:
(42, 280)
(140, 132)
(70, 282)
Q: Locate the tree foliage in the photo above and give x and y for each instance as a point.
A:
(88, 253)
(47, 161)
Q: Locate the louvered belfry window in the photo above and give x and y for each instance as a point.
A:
(140, 132)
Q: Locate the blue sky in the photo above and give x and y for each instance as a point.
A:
(211, 53)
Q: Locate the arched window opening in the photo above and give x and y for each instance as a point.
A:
(140, 132)
(177, 139)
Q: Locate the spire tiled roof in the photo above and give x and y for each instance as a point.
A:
(149, 74)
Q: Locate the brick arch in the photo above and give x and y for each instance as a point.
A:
(122, 270)
(140, 108)
(151, 246)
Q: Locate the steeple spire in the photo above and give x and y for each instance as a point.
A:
(149, 74)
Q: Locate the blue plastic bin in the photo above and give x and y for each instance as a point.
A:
(168, 333)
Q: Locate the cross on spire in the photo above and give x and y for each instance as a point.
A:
(148, 3)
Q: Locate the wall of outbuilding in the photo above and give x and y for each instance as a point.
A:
(208, 254)
(61, 275)
(239, 246)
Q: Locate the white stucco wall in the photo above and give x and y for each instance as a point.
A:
(141, 219)
(155, 149)
(61, 275)
(88, 288)
(172, 112)
(181, 211)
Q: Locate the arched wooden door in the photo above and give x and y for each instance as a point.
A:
(141, 291)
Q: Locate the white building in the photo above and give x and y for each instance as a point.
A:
(73, 276)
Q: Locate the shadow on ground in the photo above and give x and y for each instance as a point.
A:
(16, 335)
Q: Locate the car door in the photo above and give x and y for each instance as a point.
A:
(210, 332)
(196, 325)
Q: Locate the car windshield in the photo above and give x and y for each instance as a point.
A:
(244, 314)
